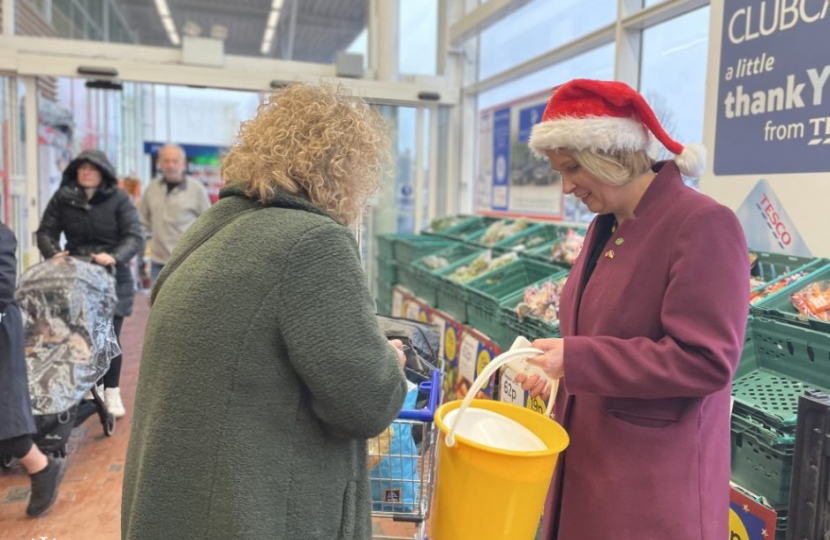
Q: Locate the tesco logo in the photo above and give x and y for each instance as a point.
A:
(778, 227)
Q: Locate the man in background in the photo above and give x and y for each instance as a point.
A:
(170, 205)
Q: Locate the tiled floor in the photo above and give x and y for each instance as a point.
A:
(89, 506)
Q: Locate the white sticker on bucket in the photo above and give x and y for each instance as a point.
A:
(494, 430)
(511, 391)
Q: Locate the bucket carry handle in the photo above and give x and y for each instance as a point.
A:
(485, 375)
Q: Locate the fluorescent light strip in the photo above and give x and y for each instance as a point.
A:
(167, 21)
(273, 17)
(271, 27)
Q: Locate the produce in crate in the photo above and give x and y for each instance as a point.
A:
(542, 301)
(502, 230)
(813, 301)
(444, 223)
(481, 265)
(772, 288)
(754, 283)
(529, 242)
(567, 250)
(433, 262)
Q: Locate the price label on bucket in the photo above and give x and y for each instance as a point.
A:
(510, 391)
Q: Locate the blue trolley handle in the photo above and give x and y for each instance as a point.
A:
(428, 413)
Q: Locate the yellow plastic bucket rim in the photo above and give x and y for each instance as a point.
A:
(452, 405)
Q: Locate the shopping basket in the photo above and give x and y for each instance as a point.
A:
(405, 517)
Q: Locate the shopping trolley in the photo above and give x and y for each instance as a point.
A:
(403, 492)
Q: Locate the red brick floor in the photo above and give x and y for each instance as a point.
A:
(89, 505)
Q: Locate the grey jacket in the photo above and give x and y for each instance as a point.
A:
(166, 216)
(263, 373)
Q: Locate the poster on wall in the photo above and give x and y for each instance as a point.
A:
(774, 88)
(512, 181)
(768, 121)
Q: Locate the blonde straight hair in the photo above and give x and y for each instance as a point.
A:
(614, 168)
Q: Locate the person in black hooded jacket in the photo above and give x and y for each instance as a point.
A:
(101, 222)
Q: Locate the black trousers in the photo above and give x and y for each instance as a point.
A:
(113, 376)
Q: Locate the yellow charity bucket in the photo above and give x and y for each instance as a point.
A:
(493, 487)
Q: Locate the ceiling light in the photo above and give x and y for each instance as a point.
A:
(167, 21)
(161, 6)
(273, 17)
(276, 5)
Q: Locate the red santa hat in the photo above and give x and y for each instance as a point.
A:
(607, 116)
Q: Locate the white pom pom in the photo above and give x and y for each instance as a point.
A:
(692, 160)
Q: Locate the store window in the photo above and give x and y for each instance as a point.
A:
(673, 75)
(418, 36)
(361, 46)
(537, 28)
(595, 64)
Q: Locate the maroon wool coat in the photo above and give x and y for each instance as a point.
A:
(650, 350)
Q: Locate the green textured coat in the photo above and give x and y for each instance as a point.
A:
(263, 374)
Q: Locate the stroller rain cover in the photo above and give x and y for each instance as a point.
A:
(67, 307)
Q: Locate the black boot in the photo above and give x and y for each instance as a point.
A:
(45, 486)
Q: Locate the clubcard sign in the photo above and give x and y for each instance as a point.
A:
(767, 123)
(774, 95)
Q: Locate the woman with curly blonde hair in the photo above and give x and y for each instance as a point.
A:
(264, 370)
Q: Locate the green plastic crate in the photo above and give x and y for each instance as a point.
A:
(442, 231)
(386, 246)
(452, 296)
(748, 361)
(537, 235)
(779, 306)
(407, 277)
(799, 352)
(762, 461)
(424, 279)
(489, 291)
(545, 253)
(387, 271)
(772, 266)
(476, 238)
(770, 397)
(469, 227)
(384, 292)
(409, 250)
(384, 308)
(493, 288)
(531, 327)
(777, 267)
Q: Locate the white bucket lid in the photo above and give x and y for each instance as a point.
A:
(491, 429)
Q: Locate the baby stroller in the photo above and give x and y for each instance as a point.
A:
(67, 306)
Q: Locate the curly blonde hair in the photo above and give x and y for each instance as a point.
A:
(318, 139)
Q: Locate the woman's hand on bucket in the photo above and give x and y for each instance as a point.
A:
(552, 363)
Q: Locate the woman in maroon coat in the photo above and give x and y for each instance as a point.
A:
(653, 319)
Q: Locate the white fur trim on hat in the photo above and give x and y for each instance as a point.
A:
(692, 160)
(597, 133)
